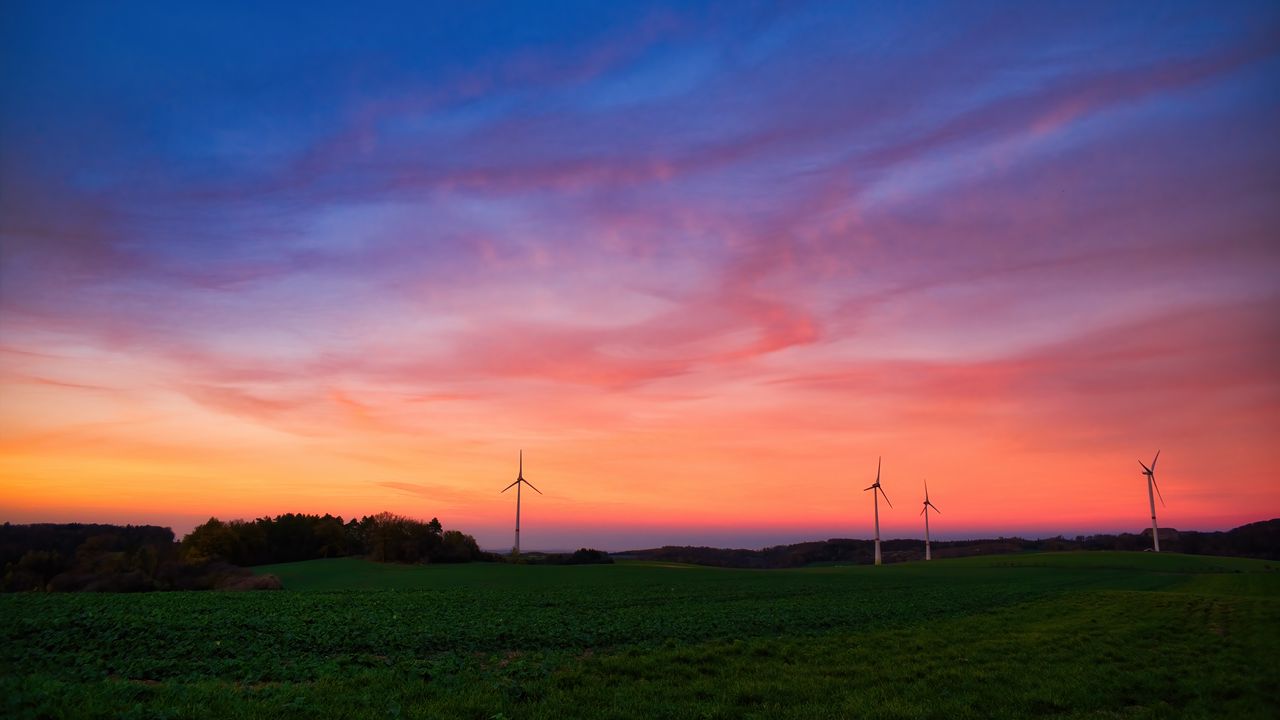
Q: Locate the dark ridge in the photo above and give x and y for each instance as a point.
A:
(1256, 540)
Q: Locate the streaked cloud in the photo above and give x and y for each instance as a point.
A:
(703, 262)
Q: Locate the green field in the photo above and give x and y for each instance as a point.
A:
(1089, 635)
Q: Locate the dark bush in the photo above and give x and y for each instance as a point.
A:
(251, 582)
(131, 581)
(588, 556)
(582, 556)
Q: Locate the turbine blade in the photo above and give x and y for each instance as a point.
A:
(1153, 462)
(867, 488)
(1145, 469)
(1156, 485)
(526, 482)
(878, 459)
(521, 473)
(935, 508)
(510, 486)
(886, 497)
(923, 509)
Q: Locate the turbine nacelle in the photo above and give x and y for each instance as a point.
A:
(1150, 473)
(927, 503)
(520, 477)
(876, 485)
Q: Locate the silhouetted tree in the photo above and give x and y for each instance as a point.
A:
(213, 540)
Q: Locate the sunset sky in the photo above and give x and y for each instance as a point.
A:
(703, 263)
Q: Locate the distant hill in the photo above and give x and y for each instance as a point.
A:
(1255, 540)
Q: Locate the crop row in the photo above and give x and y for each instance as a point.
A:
(283, 636)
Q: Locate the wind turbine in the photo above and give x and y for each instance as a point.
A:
(519, 481)
(877, 492)
(1150, 472)
(925, 512)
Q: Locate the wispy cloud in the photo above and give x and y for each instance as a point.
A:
(709, 242)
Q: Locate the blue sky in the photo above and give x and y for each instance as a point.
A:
(384, 246)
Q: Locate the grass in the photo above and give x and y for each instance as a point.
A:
(1096, 635)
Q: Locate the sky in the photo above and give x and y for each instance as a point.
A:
(703, 263)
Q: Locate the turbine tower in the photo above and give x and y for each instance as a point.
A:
(519, 481)
(877, 492)
(925, 512)
(1150, 472)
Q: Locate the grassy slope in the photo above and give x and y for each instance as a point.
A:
(1071, 635)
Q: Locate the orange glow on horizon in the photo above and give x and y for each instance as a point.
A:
(767, 457)
(702, 266)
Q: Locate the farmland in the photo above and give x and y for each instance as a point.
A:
(1070, 635)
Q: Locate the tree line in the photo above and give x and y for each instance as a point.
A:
(136, 558)
(111, 558)
(385, 537)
